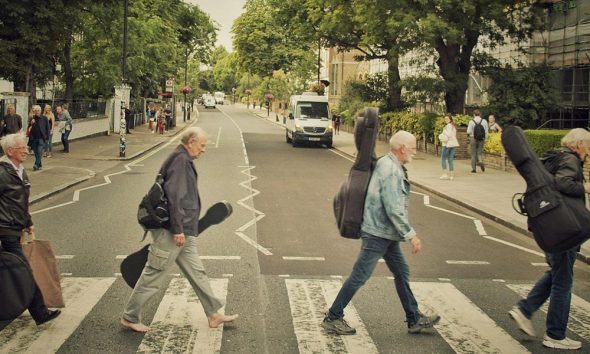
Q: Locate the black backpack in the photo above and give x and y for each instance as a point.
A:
(153, 209)
(479, 132)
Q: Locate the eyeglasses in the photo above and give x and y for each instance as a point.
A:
(19, 147)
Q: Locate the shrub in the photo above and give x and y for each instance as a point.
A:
(539, 140)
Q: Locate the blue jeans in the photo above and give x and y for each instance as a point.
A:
(65, 136)
(447, 155)
(49, 145)
(373, 249)
(38, 145)
(556, 284)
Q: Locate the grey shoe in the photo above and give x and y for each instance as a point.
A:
(523, 323)
(423, 322)
(338, 326)
(564, 343)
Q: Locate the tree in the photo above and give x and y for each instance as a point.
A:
(454, 27)
(225, 73)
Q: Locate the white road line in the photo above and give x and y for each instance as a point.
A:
(231, 258)
(218, 136)
(499, 280)
(227, 275)
(64, 256)
(540, 264)
(284, 275)
(341, 155)
(463, 325)
(450, 212)
(444, 279)
(80, 296)
(515, 246)
(308, 300)
(245, 152)
(287, 258)
(468, 262)
(579, 318)
(180, 324)
(479, 227)
(66, 274)
(336, 276)
(121, 256)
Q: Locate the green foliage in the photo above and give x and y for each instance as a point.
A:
(540, 141)
(519, 96)
(422, 125)
(494, 144)
(225, 74)
(423, 88)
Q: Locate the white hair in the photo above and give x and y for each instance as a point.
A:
(400, 138)
(193, 132)
(574, 137)
(36, 107)
(11, 140)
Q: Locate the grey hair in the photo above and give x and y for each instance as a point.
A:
(11, 140)
(574, 137)
(36, 107)
(400, 138)
(192, 132)
(10, 105)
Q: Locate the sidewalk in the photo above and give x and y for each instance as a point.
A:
(488, 194)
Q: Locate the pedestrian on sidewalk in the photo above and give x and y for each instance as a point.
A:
(385, 225)
(38, 135)
(178, 243)
(168, 114)
(14, 212)
(65, 126)
(494, 126)
(128, 119)
(337, 120)
(566, 165)
(13, 123)
(448, 139)
(47, 112)
(477, 129)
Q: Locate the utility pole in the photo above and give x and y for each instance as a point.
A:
(185, 84)
(122, 122)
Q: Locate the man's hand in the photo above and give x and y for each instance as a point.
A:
(30, 229)
(587, 187)
(416, 244)
(179, 239)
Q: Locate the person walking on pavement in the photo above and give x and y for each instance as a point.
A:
(168, 114)
(448, 139)
(65, 127)
(14, 212)
(39, 134)
(337, 119)
(13, 123)
(385, 225)
(128, 119)
(566, 165)
(179, 242)
(477, 129)
(47, 112)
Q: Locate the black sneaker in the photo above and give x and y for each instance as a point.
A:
(423, 322)
(47, 316)
(483, 168)
(338, 326)
(473, 171)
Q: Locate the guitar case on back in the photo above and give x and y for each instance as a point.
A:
(349, 202)
(17, 285)
(557, 221)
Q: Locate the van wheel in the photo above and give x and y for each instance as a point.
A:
(287, 137)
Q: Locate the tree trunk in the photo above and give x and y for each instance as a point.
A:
(394, 99)
(67, 67)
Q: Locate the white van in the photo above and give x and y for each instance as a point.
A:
(219, 97)
(209, 101)
(309, 120)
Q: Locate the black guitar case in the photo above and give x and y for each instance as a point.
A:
(557, 221)
(17, 286)
(349, 203)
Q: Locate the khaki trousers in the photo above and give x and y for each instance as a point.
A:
(162, 254)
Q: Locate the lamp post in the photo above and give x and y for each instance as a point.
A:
(122, 122)
(185, 90)
(269, 97)
(185, 84)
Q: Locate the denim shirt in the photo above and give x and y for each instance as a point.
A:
(387, 201)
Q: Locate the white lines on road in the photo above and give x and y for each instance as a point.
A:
(121, 256)
(284, 275)
(246, 160)
(231, 258)
(287, 258)
(468, 262)
(218, 136)
(341, 155)
(515, 246)
(499, 280)
(227, 275)
(444, 279)
(66, 274)
(539, 264)
(479, 227)
(336, 276)
(64, 256)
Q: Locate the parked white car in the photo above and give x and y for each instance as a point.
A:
(209, 101)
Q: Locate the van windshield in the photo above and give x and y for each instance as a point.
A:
(313, 110)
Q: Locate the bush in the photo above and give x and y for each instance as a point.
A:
(539, 140)
(419, 124)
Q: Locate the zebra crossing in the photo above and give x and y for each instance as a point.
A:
(180, 326)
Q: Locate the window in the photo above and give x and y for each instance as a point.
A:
(312, 110)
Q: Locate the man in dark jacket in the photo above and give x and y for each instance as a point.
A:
(39, 134)
(565, 164)
(177, 243)
(14, 211)
(13, 123)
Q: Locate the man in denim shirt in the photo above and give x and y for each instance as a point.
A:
(385, 225)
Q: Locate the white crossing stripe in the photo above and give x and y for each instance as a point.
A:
(468, 262)
(287, 258)
(579, 319)
(180, 325)
(80, 296)
(463, 325)
(64, 256)
(309, 300)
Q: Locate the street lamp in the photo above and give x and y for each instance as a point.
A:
(185, 90)
(269, 97)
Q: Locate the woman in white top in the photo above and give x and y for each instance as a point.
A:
(449, 141)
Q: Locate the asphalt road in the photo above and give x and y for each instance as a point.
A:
(278, 260)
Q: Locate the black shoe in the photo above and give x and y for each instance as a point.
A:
(424, 322)
(483, 168)
(473, 171)
(47, 316)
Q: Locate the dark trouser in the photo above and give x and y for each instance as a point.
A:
(37, 307)
(65, 140)
(38, 146)
(476, 152)
(555, 285)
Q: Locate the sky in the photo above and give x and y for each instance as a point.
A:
(223, 12)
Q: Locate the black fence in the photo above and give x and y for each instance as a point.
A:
(81, 108)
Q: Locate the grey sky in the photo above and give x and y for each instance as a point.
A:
(224, 12)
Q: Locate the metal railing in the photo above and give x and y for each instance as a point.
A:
(80, 108)
(564, 123)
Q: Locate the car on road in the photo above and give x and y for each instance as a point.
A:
(209, 101)
(219, 97)
(309, 120)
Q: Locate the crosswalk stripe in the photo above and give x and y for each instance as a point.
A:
(80, 296)
(308, 300)
(463, 325)
(180, 325)
(579, 322)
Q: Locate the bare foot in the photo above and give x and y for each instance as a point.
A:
(137, 327)
(216, 319)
